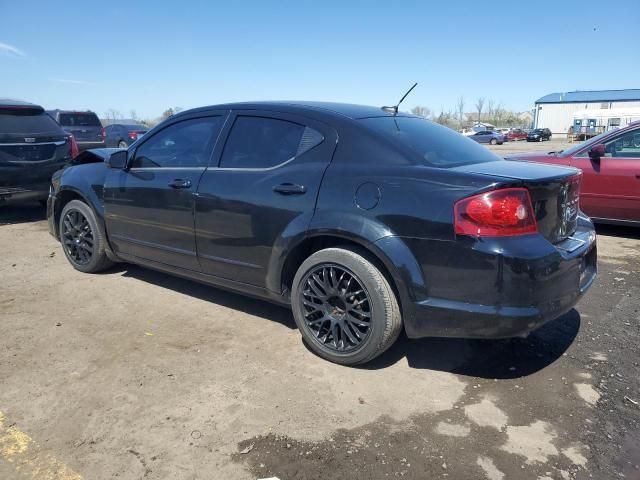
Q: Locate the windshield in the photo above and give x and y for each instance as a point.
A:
(435, 145)
(570, 151)
(79, 120)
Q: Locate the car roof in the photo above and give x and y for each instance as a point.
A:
(9, 102)
(332, 108)
(57, 110)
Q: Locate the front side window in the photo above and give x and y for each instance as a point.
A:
(183, 144)
(260, 142)
(624, 146)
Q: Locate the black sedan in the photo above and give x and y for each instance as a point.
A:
(121, 136)
(363, 220)
(539, 135)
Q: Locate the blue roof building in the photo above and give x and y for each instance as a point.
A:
(556, 111)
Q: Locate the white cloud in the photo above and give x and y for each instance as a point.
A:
(10, 50)
(72, 82)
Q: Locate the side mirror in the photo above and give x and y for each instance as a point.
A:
(117, 160)
(597, 152)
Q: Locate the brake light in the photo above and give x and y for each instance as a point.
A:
(499, 213)
(74, 147)
(133, 135)
(103, 133)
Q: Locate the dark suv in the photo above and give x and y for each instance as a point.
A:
(364, 221)
(32, 147)
(539, 135)
(84, 126)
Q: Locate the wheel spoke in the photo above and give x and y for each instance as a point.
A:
(77, 237)
(336, 308)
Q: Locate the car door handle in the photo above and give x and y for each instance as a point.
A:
(290, 189)
(179, 183)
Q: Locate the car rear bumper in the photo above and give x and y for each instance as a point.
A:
(516, 297)
(23, 194)
(82, 145)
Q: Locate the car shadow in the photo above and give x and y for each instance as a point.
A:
(22, 213)
(492, 359)
(618, 231)
(224, 298)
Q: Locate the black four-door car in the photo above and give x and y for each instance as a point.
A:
(363, 221)
(85, 127)
(32, 148)
(539, 135)
(121, 136)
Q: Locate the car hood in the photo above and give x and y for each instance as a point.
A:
(532, 156)
(518, 170)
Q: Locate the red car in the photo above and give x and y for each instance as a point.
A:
(610, 163)
(516, 134)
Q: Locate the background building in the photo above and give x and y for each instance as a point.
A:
(558, 111)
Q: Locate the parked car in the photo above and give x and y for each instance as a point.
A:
(610, 164)
(488, 136)
(516, 134)
(539, 135)
(32, 147)
(84, 126)
(121, 136)
(363, 221)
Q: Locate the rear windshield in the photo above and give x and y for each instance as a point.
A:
(16, 121)
(435, 145)
(79, 120)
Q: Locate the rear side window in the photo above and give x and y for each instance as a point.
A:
(260, 142)
(79, 120)
(183, 144)
(433, 144)
(16, 121)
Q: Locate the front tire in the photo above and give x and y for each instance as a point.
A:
(493, 141)
(344, 306)
(81, 238)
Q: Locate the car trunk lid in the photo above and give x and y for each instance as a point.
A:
(554, 192)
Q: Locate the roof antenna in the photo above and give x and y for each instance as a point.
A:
(394, 109)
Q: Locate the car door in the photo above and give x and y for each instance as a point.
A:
(482, 137)
(262, 191)
(149, 207)
(611, 186)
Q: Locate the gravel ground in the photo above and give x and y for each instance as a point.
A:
(134, 374)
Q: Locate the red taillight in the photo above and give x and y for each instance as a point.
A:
(103, 133)
(74, 147)
(133, 136)
(499, 213)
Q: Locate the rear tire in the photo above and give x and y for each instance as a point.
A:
(81, 238)
(344, 306)
(123, 144)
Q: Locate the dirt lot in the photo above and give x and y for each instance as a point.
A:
(134, 374)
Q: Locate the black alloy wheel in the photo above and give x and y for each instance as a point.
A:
(336, 307)
(77, 237)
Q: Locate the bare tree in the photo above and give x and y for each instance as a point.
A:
(424, 112)
(479, 107)
(133, 115)
(460, 110)
(112, 116)
(490, 110)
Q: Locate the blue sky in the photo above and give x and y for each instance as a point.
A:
(147, 56)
